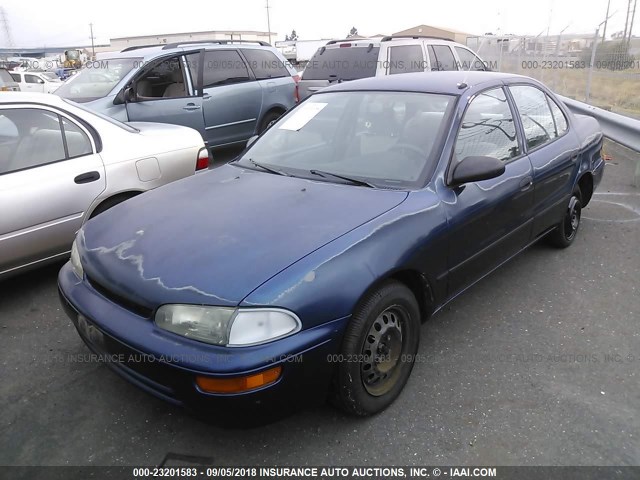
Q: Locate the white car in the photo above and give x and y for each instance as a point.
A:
(61, 164)
(40, 82)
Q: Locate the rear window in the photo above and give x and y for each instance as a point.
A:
(5, 77)
(347, 63)
(265, 64)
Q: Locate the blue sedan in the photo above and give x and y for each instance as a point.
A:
(304, 269)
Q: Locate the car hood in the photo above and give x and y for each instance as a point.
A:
(215, 237)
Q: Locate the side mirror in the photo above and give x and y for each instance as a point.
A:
(129, 95)
(251, 141)
(474, 169)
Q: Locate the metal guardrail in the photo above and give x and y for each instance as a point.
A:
(619, 128)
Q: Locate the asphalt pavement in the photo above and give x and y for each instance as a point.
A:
(536, 365)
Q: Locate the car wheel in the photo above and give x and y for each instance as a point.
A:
(567, 230)
(268, 120)
(378, 350)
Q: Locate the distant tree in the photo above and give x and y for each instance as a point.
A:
(353, 32)
(291, 38)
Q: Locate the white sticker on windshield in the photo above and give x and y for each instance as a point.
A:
(303, 115)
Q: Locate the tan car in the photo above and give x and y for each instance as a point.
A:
(61, 165)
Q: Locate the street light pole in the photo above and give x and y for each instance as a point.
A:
(604, 32)
(93, 49)
(268, 21)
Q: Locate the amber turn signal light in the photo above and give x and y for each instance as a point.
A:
(239, 384)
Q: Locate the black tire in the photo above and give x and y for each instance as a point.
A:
(109, 203)
(269, 120)
(566, 231)
(378, 350)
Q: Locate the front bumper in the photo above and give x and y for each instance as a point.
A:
(166, 365)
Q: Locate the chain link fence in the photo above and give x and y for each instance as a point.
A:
(605, 74)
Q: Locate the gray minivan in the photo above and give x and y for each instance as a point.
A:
(228, 90)
(7, 83)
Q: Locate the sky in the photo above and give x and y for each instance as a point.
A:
(39, 23)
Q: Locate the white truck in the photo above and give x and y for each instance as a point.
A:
(299, 52)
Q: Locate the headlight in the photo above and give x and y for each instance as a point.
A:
(227, 326)
(75, 261)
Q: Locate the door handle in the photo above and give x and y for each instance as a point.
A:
(87, 177)
(206, 96)
(526, 183)
(191, 107)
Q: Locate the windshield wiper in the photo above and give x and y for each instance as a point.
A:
(353, 181)
(268, 169)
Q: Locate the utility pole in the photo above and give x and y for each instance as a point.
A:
(626, 22)
(268, 21)
(93, 49)
(4, 22)
(604, 31)
(633, 16)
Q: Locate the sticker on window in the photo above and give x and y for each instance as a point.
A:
(303, 115)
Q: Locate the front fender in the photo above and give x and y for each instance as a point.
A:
(328, 283)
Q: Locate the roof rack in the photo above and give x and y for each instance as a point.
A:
(138, 47)
(214, 42)
(388, 38)
(363, 39)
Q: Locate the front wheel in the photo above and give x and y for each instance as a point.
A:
(378, 350)
(567, 230)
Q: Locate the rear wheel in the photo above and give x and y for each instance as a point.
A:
(567, 230)
(111, 202)
(378, 350)
(268, 120)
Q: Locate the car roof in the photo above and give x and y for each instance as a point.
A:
(154, 51)
(29, 97)
(428, 82)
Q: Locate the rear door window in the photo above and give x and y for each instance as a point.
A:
(342, 63)
(265, 64)
(406, 59)
(442, 58)
(469, 61)
(537, 120)
(224, 67)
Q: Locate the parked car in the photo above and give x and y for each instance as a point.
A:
(308, 264)
(226, 90)
(42, 82)
(352, 59)
(61, 164)
(7, 83)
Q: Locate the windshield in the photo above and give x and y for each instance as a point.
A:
(111, 120)
(387, 139)
(93, 83)
(342, 64)
(5, 77)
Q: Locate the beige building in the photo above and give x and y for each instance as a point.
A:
(121, 43)
(430, 31)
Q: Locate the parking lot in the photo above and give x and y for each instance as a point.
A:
(536, 365)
